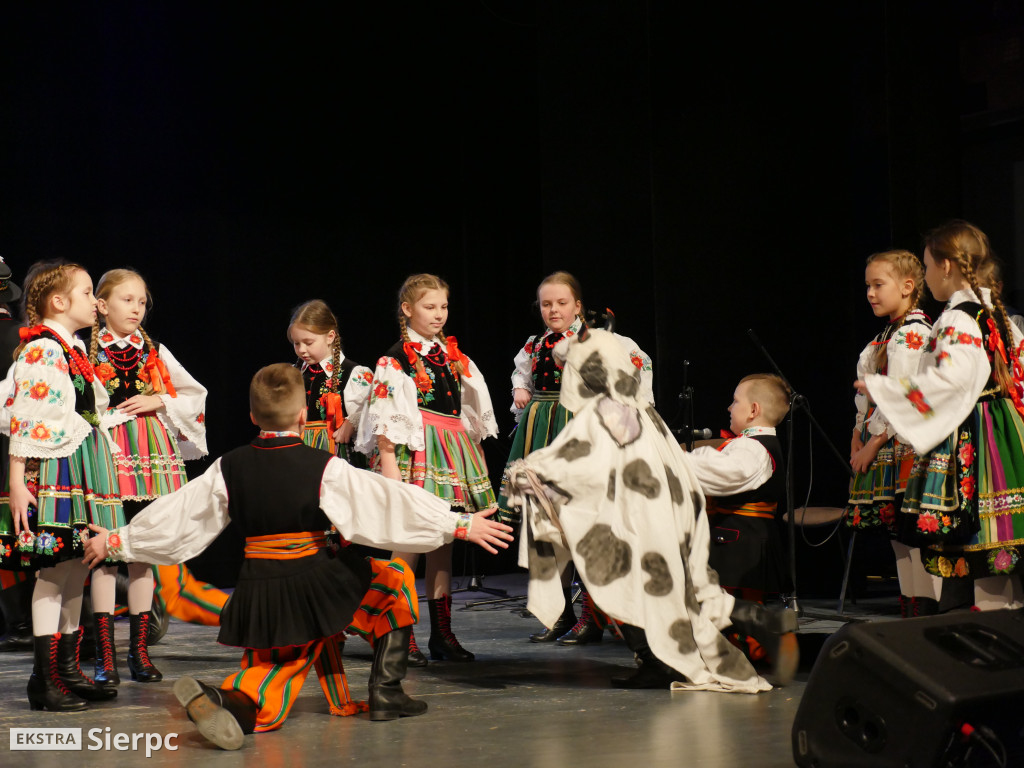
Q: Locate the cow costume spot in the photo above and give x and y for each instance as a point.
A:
(619, 420)
(627, 384)
(656, 566)
(542, 563)
(658, 421)
(675, 487)
(637, 476)
(606, 557)
(611, 486)
(574, 449)
(594, 375)
(681, 631)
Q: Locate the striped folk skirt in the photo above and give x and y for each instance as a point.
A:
(450, 466)
(72, 491)
(541, 421)
(967, 496)
(317, 434)
(876, 495)
(150, 464)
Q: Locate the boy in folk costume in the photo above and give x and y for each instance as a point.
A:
(296, 597)
(744, 480)
(616, 493)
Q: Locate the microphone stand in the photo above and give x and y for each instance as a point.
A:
(687, 397)
(799, 401)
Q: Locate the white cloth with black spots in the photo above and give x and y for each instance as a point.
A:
(616, 494)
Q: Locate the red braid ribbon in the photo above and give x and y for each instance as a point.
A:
(27, 334)
(456, 355)
(335, 413)
(155, 373)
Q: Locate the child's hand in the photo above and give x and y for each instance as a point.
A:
(21, 499)
(865, 457)
(343, 434)
(485, 532)
(855, 444)
(95, 546)
(140, 404)
(861, 387)
(520, 397)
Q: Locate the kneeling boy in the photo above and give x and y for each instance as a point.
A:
(297, 594)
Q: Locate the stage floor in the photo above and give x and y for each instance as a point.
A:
(519, 704)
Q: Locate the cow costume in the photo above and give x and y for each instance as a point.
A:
(615, 493)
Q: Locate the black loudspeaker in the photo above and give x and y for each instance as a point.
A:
(934, 692)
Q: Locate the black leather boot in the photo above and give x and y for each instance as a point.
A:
(924, 606)
(106, 654)
(46, 690)
(443, 644)
(416, 657)
(653, 672)
(222, 716)
(141, 668)
(564, 624)
(390, 657)
(69, 667)
(775, 630)
(906, 606)
(17, 617)
(586, 630)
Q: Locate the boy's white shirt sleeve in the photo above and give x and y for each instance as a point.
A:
(370, 509)
(391, 410)
(742, 465)
(180, 525)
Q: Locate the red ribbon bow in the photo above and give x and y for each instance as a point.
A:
(456, 355)
(155, 373)
(25, 334)
(335, 411)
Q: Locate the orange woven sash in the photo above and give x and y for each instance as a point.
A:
(753, 509)
(284, 546)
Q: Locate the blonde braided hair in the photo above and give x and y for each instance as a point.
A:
(967, 246)
(411, 291)
(44, 279)
(316, 317)
(903, 265)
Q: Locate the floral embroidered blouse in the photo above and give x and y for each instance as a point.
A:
(926, 407)
(120, 363)
(355, 388)
(538, 369)
(904, 349)
(394, 405)
(51, 397)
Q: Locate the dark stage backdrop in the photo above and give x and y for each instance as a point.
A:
(701, 173)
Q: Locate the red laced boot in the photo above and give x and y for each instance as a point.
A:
(443, 644)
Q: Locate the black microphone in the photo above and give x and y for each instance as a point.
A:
(695, 434)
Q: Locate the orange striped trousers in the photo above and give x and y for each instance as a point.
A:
(273, 677)
(184, 597)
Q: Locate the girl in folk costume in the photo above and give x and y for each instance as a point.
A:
(962, 414)
(536, 384)
(428, 411)
(882, 462)
(336, 387)
(157, 418)
(62, 477)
